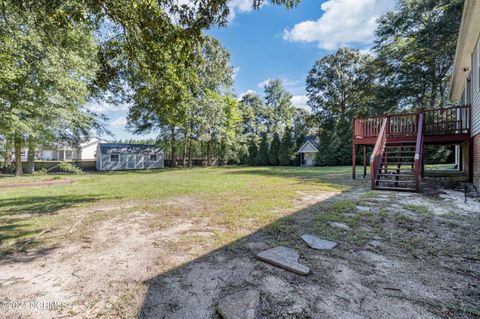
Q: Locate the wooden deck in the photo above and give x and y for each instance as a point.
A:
(400, 134)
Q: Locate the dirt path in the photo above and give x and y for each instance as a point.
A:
(408, 256)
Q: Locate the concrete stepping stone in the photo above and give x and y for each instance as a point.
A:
(284, 257)
(363, 208)
(240, 305)
(318, 243)
(339, 225)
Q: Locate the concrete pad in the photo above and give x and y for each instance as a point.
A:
(284, 257)
(240, 305)
(318, 243)
(341, 226)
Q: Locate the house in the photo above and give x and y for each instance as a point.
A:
(465, 85)
(59, 151)
(309, 150)
(111, 157)
(398, 140)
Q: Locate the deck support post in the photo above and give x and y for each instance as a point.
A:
(364, 161)
(470, 160)
(354, 160)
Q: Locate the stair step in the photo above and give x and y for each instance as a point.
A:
(395, 175)
(403, 189)
(394, 181)
(394, 145)
(398, 163)
(399, 157)
(400, 152)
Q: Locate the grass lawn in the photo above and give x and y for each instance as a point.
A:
(239, 199)
(171, 243)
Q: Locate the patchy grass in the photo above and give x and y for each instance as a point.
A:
(419, 209)
(234, 199)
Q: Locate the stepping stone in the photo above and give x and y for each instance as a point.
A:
(284, 257)
(318, 243)
(363, 208)
(240, 305)
(339, 225)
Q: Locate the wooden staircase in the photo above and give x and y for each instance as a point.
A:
(396, 162)
(397, 159)
(397, 168)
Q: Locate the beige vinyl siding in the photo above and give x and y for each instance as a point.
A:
(475, 78)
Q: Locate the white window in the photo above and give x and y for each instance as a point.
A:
(153, 158)
(114, 157)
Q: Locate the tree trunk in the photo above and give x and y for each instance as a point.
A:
(189, 145)
(209, 153)
(433, 97)
(190, 160)
(18, 155)
(174, 147)
(8, 155)
(31, 155)
(184, 151)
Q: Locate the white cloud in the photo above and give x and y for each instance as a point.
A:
(102, 107)
(241, 95)
(343, 23)
(300, 101)
(121, 121)
(262, 84)
(239, 6)
(235, 6)
(235, 71)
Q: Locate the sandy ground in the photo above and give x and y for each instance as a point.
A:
(417, 266)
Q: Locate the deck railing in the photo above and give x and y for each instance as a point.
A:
(376, 157)
(451, 121)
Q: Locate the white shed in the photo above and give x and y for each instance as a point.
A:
(308, 151)
(112, 157)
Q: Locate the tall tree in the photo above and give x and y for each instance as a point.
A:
(274, 150)
(252, 152)
(336, 93)
(286, 148)
(416, 47)
(278, 100)
(262, 155)
(45, 78)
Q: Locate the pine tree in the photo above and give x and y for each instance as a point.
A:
(286, 149)
(252, 152)
(262, 155)
(274, 150)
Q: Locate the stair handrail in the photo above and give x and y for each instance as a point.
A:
(419, 151)
(377, 152)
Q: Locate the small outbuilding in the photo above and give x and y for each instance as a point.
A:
(114, 157)
(309, 150)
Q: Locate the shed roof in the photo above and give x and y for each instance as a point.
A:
(107, 148)
(310, 145)
(313, 139)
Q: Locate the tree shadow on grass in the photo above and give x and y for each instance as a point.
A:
(42, 205)
(19, 223)
(352, 271)
(193, 289)
(333, 175)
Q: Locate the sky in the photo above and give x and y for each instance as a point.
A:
(274, 42)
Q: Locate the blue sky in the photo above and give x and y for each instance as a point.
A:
(274, 42)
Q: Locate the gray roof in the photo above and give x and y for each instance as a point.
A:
(312, 139)
(108, 148)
